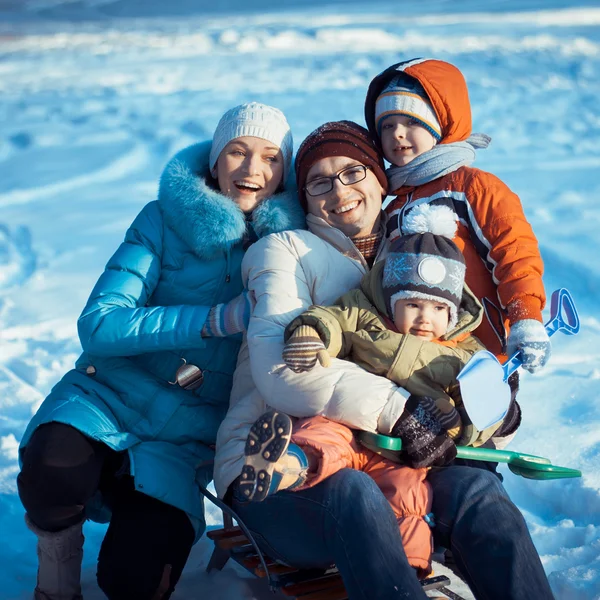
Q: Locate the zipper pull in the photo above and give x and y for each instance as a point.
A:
(228, 278)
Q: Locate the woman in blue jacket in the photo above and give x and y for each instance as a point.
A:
(127, 435)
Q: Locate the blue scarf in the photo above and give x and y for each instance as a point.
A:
(437, 162)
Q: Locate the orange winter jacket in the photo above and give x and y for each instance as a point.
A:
(504, 265)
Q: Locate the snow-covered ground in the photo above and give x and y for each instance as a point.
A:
(95, 95)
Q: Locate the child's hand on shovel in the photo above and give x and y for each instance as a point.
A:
(531, 339)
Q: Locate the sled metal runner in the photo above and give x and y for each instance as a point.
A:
(237, 543)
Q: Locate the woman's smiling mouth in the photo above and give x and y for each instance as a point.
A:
(247, 187)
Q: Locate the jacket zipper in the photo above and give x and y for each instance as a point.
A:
(403, 210)
(225, 279)
(228, 266)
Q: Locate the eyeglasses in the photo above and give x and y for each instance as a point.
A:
(347, 176)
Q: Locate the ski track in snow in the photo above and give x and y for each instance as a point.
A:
(93, 108)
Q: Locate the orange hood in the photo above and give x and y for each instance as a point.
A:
(447, 91)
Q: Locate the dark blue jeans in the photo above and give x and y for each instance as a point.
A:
(347, 521)
(487, 534)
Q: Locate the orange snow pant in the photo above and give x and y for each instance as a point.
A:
(333, 446)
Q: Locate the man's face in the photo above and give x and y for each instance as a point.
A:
(354, 209)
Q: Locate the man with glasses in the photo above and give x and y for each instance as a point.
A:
(346, 520)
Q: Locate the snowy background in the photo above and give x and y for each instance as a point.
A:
(96, 95)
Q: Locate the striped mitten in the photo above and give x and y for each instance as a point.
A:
(302, 349)
(424, 441)
(227, 319)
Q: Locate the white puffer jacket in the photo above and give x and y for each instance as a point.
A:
(288, 272)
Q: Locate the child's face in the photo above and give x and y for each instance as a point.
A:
(423, 318)
(403, 139)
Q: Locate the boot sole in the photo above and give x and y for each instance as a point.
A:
(267, 442)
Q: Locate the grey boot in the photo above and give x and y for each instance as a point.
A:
(59, 562)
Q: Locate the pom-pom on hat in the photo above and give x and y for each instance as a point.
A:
(253, 120)
(338, 138)
(424, 262)
(404, 95)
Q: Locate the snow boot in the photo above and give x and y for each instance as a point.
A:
(59, 562)
(271, 463)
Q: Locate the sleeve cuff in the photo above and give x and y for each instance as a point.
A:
(525, 307)
(392, 411)
(304, 320)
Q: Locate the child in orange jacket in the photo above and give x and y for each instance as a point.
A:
(420, 115)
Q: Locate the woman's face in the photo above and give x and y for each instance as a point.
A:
(249, 169)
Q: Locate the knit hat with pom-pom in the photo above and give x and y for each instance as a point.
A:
(424, 262)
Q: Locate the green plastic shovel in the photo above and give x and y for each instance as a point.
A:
(525, 465)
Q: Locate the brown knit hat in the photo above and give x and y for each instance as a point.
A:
(338, 138)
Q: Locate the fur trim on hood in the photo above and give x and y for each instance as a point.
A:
(210, 222)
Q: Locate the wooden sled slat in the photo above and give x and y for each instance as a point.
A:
(294, 583)
(219, 534)
(337, 593)
(314, 585)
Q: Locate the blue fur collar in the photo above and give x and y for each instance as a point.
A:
(208, 221)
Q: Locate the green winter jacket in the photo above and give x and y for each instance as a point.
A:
(355, 327)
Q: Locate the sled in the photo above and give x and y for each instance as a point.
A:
(237, 543)
(525, 465)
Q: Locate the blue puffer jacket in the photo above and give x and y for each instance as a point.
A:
(181, 255)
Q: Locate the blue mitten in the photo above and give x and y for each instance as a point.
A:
(531, 338)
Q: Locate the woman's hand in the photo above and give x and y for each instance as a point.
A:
(229, 318)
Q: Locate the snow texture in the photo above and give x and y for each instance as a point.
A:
(97, 95)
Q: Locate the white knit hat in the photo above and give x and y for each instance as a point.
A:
(253, 120)
(404, 95)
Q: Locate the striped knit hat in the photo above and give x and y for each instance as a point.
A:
(424, 262)
(338, 138)
(404, 95)
(253, 120)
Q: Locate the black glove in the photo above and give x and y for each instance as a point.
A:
(424, 441)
